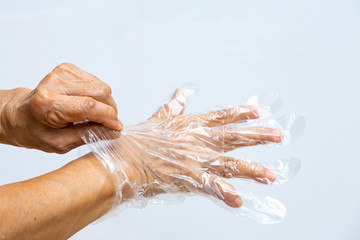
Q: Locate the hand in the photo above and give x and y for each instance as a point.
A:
(171, 152)
(44, 118)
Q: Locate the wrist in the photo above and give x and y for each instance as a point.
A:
(13, 114)
(95, 188)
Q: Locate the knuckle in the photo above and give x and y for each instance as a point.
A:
(232, 137)
(49, 78)
(63, 66)
(87, 104)
(51, 75)
(68, 71)
(50, 83)
(220, 170)
(40, 100)
(105, 90)
(52, 80)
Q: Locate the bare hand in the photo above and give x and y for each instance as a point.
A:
(44, 118)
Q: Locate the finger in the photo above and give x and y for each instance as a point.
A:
(71, 72)
(230, 138)
(220, 189)
(65, 139)
(99, 91)
(175, 106)
(72, 109)
(235, 138)
(230, 115)
(229, 167)
(77, 82)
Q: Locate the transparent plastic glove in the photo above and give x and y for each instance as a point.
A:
(175, 153)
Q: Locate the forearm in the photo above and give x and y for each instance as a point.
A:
(5, 95)
(58, 204)
(11, 103)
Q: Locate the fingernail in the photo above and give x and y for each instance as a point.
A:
(270, 175)
(120, 126)
(277, 135)
(237, 202)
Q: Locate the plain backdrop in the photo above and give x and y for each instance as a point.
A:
(304, 50)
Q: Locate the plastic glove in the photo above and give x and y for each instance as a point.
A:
(171, 153)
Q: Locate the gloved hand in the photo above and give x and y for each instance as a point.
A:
(44, 118)
(171, 152)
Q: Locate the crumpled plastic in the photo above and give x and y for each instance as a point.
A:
(172, 155)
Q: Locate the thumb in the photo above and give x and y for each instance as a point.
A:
(76, 135)
(175, 106)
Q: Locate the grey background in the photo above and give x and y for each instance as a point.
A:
(306, 51)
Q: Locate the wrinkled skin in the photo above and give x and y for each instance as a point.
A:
(172, 152)
(44, 118)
